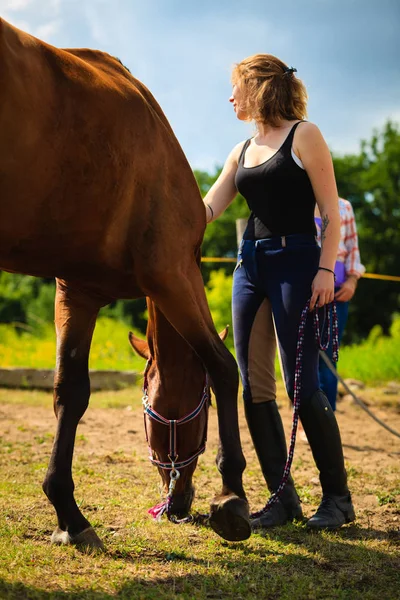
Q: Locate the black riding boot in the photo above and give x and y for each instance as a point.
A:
(323, 434)
(269, 441)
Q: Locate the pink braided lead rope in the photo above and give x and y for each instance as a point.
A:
(322, 343)
(158, 510)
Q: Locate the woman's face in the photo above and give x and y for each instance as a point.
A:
(236, 99)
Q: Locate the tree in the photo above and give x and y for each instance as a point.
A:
(371, 181)
(220, 236)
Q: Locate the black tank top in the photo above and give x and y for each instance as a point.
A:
(279, 194)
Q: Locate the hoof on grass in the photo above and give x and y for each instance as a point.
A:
(87, 538)
(229, 518)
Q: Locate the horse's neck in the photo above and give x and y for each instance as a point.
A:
(165, 342)
(18, 46)
(176, 361)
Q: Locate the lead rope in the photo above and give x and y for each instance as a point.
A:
(322, 343)
(164, 507)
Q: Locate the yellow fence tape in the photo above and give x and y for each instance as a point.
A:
(385, 277)
(212, 259)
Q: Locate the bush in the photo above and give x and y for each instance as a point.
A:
(219, 296)
(110, 347)
(375, 360)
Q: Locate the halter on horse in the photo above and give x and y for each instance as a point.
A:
(172, 465)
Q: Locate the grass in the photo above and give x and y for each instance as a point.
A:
(110, 347)
(128, 398)
(375, 361)
(372, 362)
(115, 485)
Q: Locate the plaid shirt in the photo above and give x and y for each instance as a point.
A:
(348, 252)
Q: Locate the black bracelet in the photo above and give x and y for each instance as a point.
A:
(212, 212)
(329, 271)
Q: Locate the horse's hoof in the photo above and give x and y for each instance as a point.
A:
(229, 518)
(87, 538)
(60, 537)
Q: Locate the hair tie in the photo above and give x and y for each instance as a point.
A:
(289, 70)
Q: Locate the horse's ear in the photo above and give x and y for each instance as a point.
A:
(224, 333)
(141, 347)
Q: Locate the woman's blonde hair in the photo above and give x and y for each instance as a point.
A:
(270, 91)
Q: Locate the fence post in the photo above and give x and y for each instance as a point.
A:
(240, 227)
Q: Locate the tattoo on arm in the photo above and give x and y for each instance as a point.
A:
(324, 227)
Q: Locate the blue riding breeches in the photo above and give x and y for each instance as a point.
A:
(271, 285)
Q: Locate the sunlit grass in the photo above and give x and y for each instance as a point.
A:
(374, 361)
(110, 347)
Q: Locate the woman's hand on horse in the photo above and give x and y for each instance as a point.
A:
(323, 288)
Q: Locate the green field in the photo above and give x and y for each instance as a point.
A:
(375, 361)
(110, 347)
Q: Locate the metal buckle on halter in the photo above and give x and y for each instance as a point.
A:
(173, 477)
(145, 401)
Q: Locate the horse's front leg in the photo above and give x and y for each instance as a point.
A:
(75, 318)
(184, 304)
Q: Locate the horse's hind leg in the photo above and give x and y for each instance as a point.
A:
(75, 318)
(183, 301)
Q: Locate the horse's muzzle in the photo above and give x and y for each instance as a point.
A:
(181, 503)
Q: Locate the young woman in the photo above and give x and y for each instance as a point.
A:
(282, 172)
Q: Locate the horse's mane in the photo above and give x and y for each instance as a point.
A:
(125, 67)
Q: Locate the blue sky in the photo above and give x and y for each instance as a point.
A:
(347, 52)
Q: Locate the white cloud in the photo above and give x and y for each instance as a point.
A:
(14, 5)
(347, 135)
(99, 27)
(47, 31)
(55, 5)
(41, 18)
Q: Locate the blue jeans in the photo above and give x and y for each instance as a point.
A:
(327, 379)
(271, 285)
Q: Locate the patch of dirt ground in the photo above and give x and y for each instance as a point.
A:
(372, 454)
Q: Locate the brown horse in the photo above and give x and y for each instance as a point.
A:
(96, 192)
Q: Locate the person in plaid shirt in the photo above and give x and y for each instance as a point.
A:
(348, 270)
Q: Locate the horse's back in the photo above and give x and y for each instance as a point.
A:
(91, 170)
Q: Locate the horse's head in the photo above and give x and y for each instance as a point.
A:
(176, 389)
